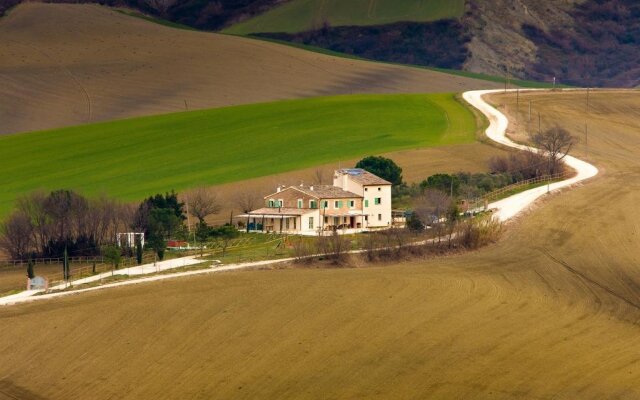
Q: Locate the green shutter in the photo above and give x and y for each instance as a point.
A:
(366, 203)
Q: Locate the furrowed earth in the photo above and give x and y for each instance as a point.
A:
(64, 64)
(550, 311)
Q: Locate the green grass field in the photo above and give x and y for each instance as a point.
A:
(302, 15)
(133, 158)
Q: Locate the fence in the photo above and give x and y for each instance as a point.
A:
(49, 261)
(515, 187)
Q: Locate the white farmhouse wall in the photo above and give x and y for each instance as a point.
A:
(379, 215)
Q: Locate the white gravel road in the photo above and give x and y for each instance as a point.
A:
(509, 207)
(505, 209)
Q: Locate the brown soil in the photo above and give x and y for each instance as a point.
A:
(63, 64)
(552, 311)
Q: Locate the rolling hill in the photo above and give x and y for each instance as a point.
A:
(551, 311)
(64, 64)
(303, 15)
(134, 158)
(580, 42)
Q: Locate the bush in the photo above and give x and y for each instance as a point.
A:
(478, 232)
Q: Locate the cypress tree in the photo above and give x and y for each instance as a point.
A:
(138, 250)
(30, 272)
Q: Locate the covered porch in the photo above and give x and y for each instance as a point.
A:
(351, 221)
(271, 221)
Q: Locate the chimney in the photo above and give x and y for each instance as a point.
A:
(311, 188)
(301, 184)
(278, 189)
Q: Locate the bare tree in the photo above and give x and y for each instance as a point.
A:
(432, 207)
(318, 176)
(248, 201)
(556, 143)
(203, 202)
(17, 235)
(335, 247)
(33, 206)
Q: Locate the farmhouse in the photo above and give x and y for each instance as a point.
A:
(357, 201)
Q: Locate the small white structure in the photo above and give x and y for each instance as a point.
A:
(128, 239)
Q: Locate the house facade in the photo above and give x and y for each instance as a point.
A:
(357, 201)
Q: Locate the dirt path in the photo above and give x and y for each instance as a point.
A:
(497, 131)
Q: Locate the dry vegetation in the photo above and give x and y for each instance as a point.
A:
(551, 311)
(81, 63)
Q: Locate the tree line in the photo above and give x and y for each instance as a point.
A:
(46, 224)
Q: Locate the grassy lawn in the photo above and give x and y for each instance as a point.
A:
(131, 159)
(302, 15)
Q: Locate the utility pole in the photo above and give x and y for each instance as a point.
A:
(586, 141)
(529, 123)
(539, 123)
(517, 105)
(554, 83)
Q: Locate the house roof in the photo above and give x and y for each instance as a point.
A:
(320, 192)
(326, 192)
(365, 178)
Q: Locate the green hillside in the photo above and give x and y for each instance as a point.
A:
(302, 15)
(133, 158)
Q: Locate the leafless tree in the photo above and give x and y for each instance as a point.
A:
(248, 201)
(302, 250)
(203, 202)
(33, 206)
(318, 176)
(556, 143)
(432, 207)
(17, 235)
(336, 247)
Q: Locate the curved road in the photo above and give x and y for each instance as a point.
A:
(506, 209)
(497, 131)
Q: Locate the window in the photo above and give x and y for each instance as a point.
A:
(352, 203)
(337, 204)
(272, 203)
(313, 204)
(379, 189)
(366, 218)
(299, 203)
(378, 201)
(325, 204)
(366, 189)
(326, 220)
(286, 224)
(366, 203)
(311, 222)
(379, 217)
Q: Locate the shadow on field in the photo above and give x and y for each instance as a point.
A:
(9, 391)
